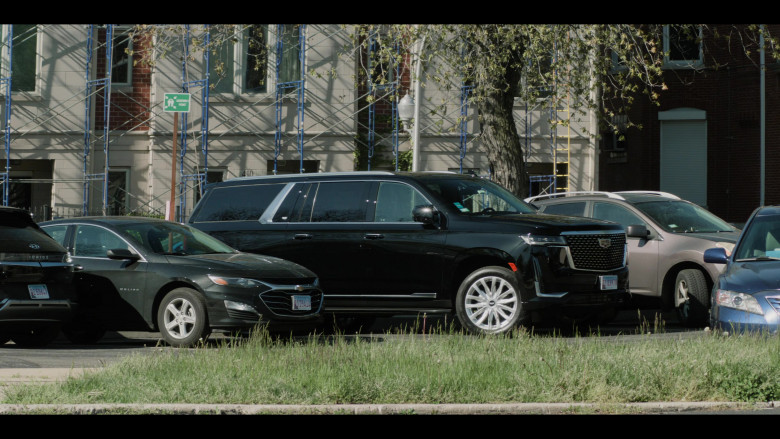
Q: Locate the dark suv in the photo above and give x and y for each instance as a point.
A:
(667, 240)
(387, 243)
(36, 274)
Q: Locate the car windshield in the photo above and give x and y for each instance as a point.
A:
(174, 239)
(760, 241)
(474, 196)
(683, 217)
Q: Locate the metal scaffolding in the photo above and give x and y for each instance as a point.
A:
(5, 88)
(282, 88)
(93, 85)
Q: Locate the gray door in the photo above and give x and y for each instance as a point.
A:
(684, 159)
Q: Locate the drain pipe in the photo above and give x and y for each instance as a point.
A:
(763, 115)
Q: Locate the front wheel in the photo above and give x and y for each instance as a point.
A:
(488, 301)
(691, 298)
(182, 318)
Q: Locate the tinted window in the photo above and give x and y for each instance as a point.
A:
(683, 217)
(18, 232)
(92, 241)
(760, 239)
(474, 196)
(57, 233)
(236, 203)
(616, 213)
(395, 201)
(571, 209)
(340, 202)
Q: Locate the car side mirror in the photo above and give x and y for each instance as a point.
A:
(716, 255)
(122, 253)
(426, 215)
(637, 231)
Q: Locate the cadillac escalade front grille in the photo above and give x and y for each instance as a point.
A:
(602, 252)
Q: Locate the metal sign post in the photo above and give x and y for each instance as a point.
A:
(175, 103)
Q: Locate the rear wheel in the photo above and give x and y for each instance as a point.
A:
(691, 298)
(182, 318)
(488, 301)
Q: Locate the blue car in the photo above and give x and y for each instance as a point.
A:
(746, 296)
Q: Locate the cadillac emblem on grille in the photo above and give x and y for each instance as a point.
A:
(605, 242)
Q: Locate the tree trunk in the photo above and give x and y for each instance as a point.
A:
(499, 133)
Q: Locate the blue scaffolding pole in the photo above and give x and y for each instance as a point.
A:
(5, 87)
(281, 89)
(94, 84)
(199, 177)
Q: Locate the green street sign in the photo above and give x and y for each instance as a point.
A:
(177, 102)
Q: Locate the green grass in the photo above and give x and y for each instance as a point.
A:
(446, 368)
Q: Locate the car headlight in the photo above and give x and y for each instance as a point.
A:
(543, 239)
(236, 281)
(740, 301)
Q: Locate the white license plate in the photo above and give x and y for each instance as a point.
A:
(38, 291)
(302, 303)
(608, 282)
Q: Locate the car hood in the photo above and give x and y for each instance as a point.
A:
(714, 237)
(547, 224)
(267, 267)
(752, 276)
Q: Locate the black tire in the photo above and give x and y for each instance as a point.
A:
(34, 336)
(692, 298)
(488, 302)
(182, 318)
(83, 332)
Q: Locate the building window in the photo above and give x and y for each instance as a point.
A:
(122, 60)
(117, 191)
(250, 65)
(24, 68)
(683, 46)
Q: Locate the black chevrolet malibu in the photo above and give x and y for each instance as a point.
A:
(151, 274)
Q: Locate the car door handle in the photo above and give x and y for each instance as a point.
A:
(373, 236)
(303, 236)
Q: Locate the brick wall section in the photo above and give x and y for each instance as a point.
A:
(730, 96)
(129, 109)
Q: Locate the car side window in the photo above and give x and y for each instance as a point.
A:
(92, 241)
(616, 213)
(395, 201)
(345, 201)
(237, 203)
(57, 233)
(570, 209)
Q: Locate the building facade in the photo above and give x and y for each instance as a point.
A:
(704, 141)
(86, 131)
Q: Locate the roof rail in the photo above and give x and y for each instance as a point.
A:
(659, 193)
(567, 194)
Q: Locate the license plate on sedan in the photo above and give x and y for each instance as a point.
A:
(302, 303)
(38, 291)
(608, 282)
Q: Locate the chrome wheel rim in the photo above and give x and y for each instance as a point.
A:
(682, 299)
(491, 304)
(179, 318)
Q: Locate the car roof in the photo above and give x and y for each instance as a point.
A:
(768, 211)
(627, 196)
(355, 175)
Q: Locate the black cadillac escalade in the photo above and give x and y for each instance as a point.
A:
(387, 243)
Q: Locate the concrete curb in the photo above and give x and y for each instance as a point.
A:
(386, 409)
